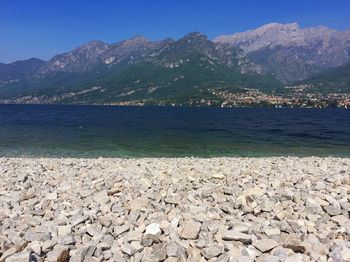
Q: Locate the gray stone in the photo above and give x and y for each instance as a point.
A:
(219, 176)
(133, 236)
(138, 203)
(211, 251)
(101, 197)
(341, 220)
(54, 254)
(340, 253)
(313, 205)
(172, 200)
(9, 252)
(272, 231)
(80, 254)
(172, 249)
(265, 244)
(231, 235)
(149, 258)
(128, 249)
(241, 228)
(19, 257)
(270, 258)
(295, 258)
(146, 242)
(171, 259)
(48, 245)
(332, 210)
(194, 255)
(64, 230)
(160, 251)
(51, 196)
(76, 220)
(35, 246)
(105, 221)
(118, 230)
(66, 240)
(92, 230)
(190, 229)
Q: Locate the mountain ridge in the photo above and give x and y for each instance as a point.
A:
(193, 66)
(286, 47)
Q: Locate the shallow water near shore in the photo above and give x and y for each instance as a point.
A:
(107, 131)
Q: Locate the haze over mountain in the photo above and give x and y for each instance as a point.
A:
(171, 71)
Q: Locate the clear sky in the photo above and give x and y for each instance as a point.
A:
(42, 28)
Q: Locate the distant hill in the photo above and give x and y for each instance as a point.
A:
(181, 71)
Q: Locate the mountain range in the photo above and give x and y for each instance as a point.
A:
(190, 69)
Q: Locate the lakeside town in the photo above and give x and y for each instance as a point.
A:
(294, 96)
(255, 98)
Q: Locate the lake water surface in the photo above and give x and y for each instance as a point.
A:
(106, 131)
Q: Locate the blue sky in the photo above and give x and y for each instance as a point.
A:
(42, 28)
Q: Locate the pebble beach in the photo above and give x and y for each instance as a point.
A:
(175, 209)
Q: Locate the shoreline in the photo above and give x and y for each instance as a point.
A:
(135, 158)
(180, 106)
(175, 209)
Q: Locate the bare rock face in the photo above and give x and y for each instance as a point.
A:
(247, 209)
(290, 52)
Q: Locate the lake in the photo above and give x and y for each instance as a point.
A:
(107, 131)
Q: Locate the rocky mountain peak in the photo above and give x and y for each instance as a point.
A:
(264, 36)
(138, 38)
(94, 44)
(194, 36)
(135, 40)
(275, 34)
(276, 27)
(289, 52)
(92, 48)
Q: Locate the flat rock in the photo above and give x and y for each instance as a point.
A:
(270, 258)
(219, 176)
(332, 210)
(265, 244)
(172, 200)
(341, 220)
(51, 196)
(190, 229)
(172, 249)
(231, 235)
(272, 231)
(138, 203)
(55, 253)
(19, 257)
(160, 251)
(64, 230)
(101, 197)
(118, 230)
(340, 253)
(128, 249)
(211, 251)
